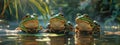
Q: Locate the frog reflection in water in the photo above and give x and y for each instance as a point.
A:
(84, 40)
(85, 25)
(58, 24)
(30, 24)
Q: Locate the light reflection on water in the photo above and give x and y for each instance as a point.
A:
(12, 37)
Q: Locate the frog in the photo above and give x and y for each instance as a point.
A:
(30, 24)
(87, 26)
(58, 24)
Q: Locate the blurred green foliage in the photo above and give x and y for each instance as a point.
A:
(100, 10)
(16, 7)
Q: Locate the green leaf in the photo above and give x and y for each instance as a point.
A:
(16, 9)
(10, 10)
(38, 6)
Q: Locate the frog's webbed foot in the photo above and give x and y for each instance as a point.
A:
(49, 31)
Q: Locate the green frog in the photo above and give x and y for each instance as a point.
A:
(30, 24)
(84, 24)
(58, 24)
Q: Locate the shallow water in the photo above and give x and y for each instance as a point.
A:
(12, 37)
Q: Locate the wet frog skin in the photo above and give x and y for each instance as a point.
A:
(85, 25)
(58, 24)
(30, 24)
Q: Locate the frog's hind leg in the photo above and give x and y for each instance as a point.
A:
(18, 28)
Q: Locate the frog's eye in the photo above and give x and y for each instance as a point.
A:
(25, 17)
(61, 15)
(86, 15)
(35, 15)
(78, 14)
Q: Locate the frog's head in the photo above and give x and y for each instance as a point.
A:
(84, 22)
(83, 18)
(30, 17)
(29, 22)
(58, 17)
